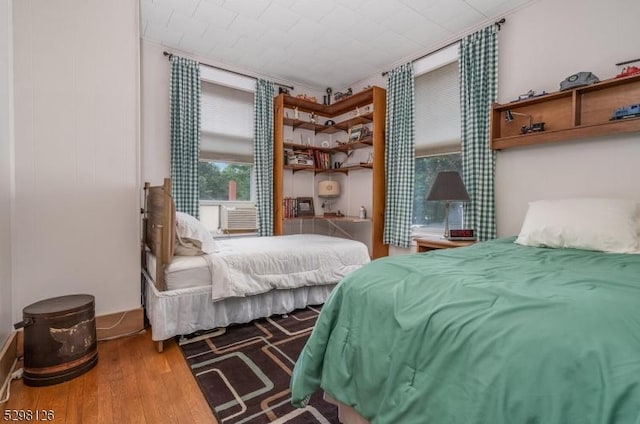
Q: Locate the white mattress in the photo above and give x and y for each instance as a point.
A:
(183, 272)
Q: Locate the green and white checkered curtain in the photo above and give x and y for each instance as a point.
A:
(478, 89)
(399, 156)
(263, 155)
(184, 96)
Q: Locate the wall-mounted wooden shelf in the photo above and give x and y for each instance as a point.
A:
(579, 113)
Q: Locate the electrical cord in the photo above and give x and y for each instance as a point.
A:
(124, 314)
(7, 382)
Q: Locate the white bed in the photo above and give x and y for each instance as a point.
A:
(245, 279)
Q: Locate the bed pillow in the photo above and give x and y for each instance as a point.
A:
(607, 225)
(192, 238)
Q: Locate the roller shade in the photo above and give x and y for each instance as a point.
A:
(437, 111)
(227, 124)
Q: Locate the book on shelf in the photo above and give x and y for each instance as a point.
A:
(323, 159)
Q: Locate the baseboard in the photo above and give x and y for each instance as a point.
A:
(8, 356)
(119, 324)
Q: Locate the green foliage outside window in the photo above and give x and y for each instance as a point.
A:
(428, 213)
(214, 177)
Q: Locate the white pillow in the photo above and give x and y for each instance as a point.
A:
(192, 238)
(607, 225)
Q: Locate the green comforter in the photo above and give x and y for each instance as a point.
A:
(495, 333)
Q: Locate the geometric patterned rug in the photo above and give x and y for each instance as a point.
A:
(244, 370)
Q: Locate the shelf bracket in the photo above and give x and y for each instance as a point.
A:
(339, 228)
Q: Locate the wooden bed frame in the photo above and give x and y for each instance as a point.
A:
(158, 232)
(159, 227)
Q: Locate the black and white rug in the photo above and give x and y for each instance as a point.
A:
(245, 372)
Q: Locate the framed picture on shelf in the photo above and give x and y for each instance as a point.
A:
(354, 133)
(305, 206)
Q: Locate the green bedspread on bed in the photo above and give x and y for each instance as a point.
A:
(495, 333)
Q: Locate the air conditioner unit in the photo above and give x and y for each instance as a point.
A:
(238, 219)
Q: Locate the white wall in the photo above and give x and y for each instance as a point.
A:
(6, 159)
(540, 45)
(155, 159)
(76, 222)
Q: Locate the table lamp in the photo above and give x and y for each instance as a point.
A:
(328, 190)
(448, 187)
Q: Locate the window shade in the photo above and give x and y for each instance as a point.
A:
(227, 124)
(437, 111)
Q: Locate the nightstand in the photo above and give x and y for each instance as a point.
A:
(433, 243)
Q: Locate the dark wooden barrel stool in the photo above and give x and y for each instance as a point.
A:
(59, 339)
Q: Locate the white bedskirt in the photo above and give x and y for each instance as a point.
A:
(185, 311)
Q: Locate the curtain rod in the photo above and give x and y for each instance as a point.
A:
(498, 23)
(169, 55)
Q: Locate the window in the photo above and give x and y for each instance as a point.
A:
(429, 216)
(437, 120)
(225, 181)
(225, 171)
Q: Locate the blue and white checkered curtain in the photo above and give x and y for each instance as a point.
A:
(263, 155)
(399, 156)
(184, 93)
(478, 90)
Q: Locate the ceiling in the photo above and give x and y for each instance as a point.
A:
(317, 43)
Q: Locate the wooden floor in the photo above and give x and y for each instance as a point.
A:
(132, 383)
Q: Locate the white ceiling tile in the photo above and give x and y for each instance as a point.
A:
(180, 22)
(279, 17)
(497, 8)
(379, 10)
(196, 43)
(314, 10)
(404, 19)
(214, 15)
(157, 14)
(426, 34)
(247, 8)
(286, 3)
(484, 6)
(465, 20)
(307, 30)
(335, 40)
(418, 5)
(221, 37)
(186, 7)
(395, 45)
(248, 27)
(357, 4)
(275, 38)
(227, 55)
(248, 47)
(341, 17)
(216, 2)
(443, 11)
(163, 34)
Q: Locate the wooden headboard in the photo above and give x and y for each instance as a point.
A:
(159, 222)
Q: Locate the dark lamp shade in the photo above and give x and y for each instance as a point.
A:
(448, 186)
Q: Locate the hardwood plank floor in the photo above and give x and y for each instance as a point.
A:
(132, 383)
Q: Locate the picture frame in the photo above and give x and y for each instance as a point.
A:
(305, 206)
(354, 133)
